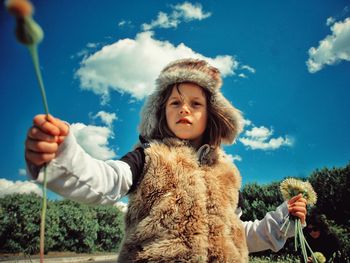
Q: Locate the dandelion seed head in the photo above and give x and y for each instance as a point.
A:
(320, 257)
(291, 187)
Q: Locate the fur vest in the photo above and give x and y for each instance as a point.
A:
(183, 209)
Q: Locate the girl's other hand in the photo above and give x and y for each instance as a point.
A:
(43, 139)
(297, 207)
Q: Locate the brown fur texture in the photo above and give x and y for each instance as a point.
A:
(184, 210)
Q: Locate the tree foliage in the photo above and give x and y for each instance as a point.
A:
(111, 228)
(259, 199)
(333, 189)
(20, 220)
(70, 226)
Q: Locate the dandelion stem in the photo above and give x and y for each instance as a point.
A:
(286, 220)
(43, 218)
(302, 240)
(286, 232)
(296, 235)
(312, 253)
(33, 50)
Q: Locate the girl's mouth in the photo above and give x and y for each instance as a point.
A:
(184, 121)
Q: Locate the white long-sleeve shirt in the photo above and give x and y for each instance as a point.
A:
(76, 175)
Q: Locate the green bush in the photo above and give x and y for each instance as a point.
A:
(259, 199)
(20, 222)
(111, 228)
(70, 226)
(333, 189)
(78, 227)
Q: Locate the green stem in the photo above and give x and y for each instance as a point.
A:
(296, 235)
(302, 240)
(287, 228)
(286, 220)
(312, 253)
(43, 217)
(33, 50)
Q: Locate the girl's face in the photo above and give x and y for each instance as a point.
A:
(186, 112)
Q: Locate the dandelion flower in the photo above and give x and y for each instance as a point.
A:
(292, 187)
(19, 8)
(289, 188)
(28, 32)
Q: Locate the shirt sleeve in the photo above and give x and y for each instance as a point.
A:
(136, 161)
(266, 233)
(76, 175)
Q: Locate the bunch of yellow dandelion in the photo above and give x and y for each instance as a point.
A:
(289, 188)
(30, 34)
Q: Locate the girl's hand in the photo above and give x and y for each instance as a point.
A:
(297, 207)
(43, 139)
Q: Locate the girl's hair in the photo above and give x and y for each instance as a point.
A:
(218, 125)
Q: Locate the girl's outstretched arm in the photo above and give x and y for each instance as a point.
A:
(266, 233)
(72, 172)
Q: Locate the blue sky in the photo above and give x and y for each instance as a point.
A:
(285, 66)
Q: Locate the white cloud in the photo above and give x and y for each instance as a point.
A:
(8, 187)
(124, 23)
(22, 172)
(106, 117)
(249, 68)
(94, 140)
(191, 11)
(92, 45)
(247, 122)
(246, 69)
(259, 138)
(234, 158)
(163, 21)
(123, 207)
(333, 49)
(181, 12)
(259, 132)
(330, 21)
(132, 65)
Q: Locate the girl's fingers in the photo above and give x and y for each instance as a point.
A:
(36, 134)
(294, 198)
(60, 139)
(41, 146)
(44, 123)
(298, 209)
(39, 158)
(63, 127)
(301, 216)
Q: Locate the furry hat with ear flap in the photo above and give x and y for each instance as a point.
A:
(198, 72)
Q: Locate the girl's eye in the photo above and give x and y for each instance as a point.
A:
(175, 103)
(196, 104)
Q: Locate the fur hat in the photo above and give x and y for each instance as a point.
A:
(200, 73)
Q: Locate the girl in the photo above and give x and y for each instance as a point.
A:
(183, 190)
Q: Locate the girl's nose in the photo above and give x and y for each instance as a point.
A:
(184, 109)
